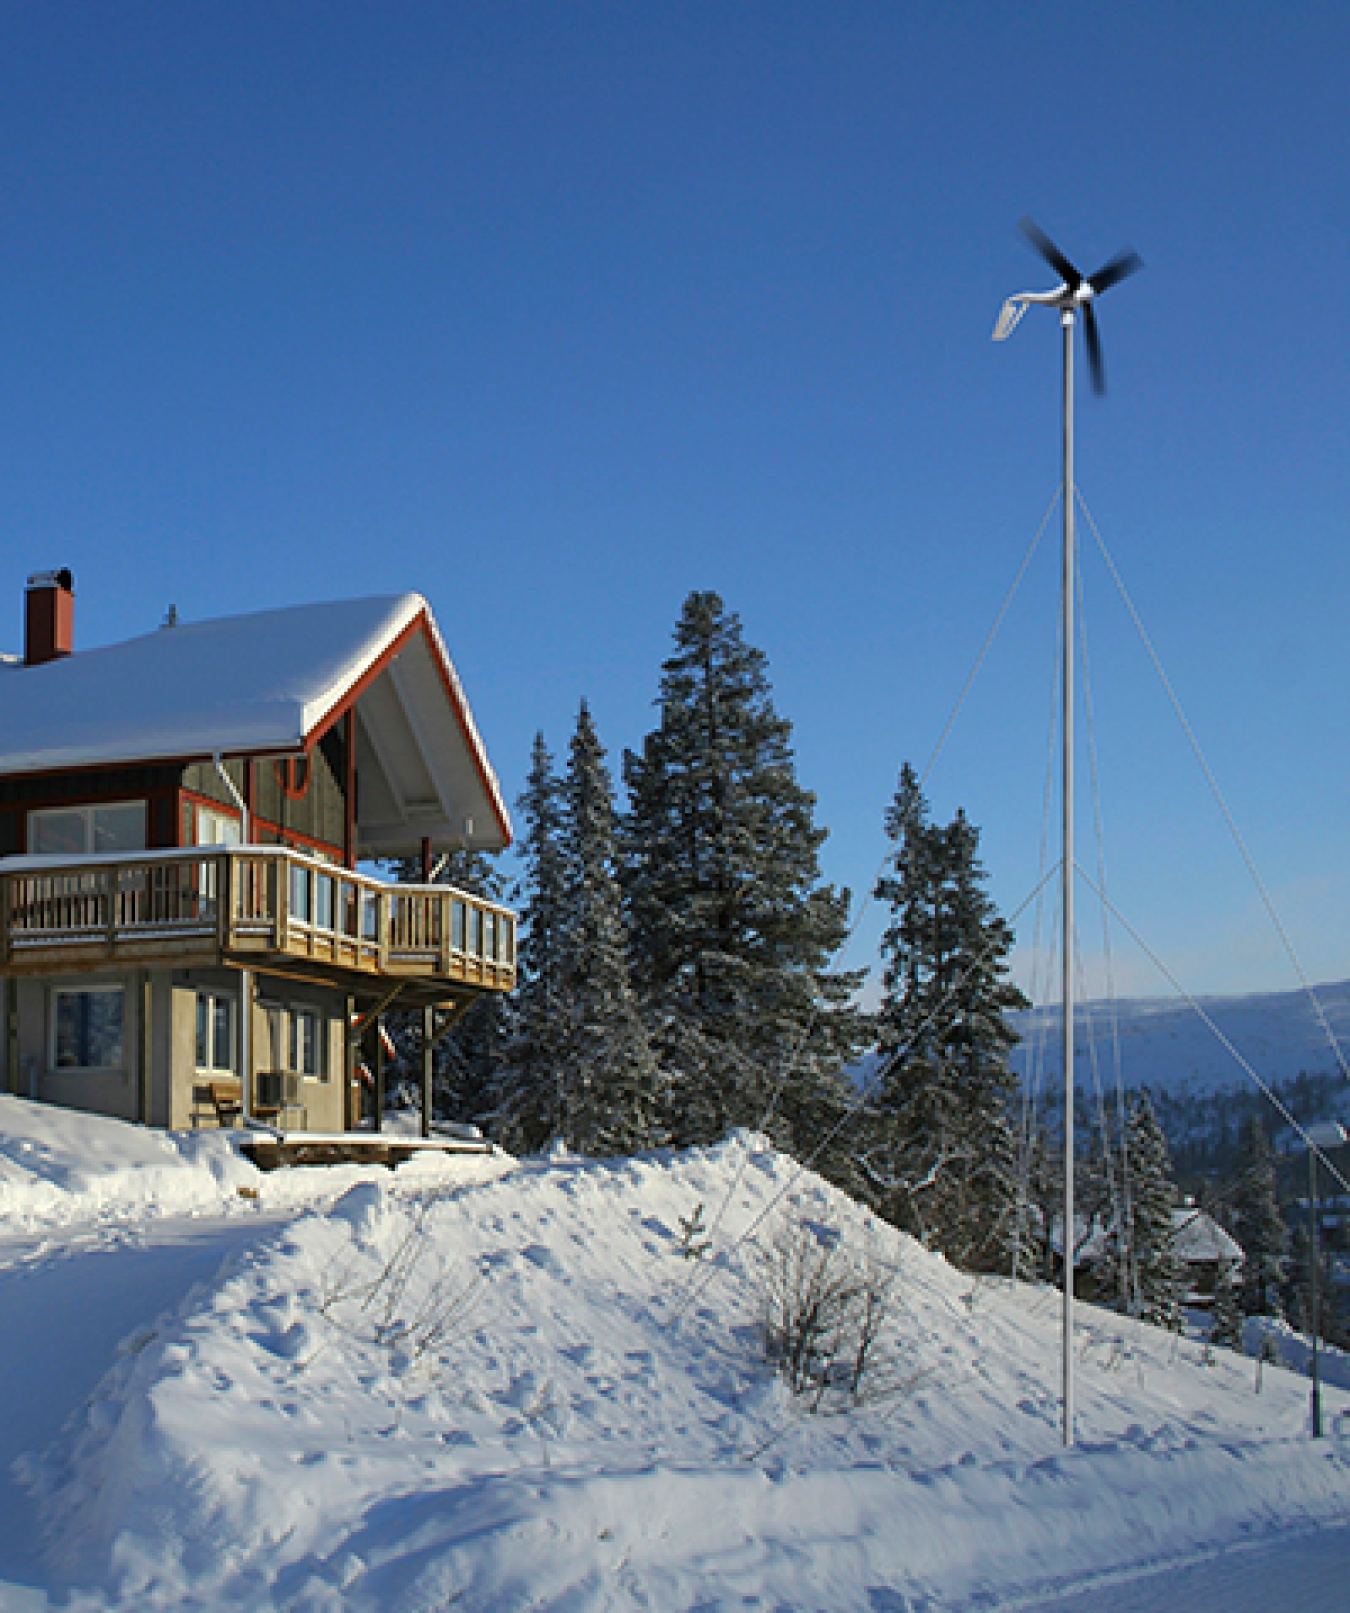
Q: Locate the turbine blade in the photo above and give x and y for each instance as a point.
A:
(1111, 274)
(1092, 336)
(1051, 253)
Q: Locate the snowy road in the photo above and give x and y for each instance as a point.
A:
(1306, 1573)
(68, 1301)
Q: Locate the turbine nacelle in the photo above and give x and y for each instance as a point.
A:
(1074, 292)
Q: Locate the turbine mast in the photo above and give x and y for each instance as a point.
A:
(1067, 581)
(1075, 292)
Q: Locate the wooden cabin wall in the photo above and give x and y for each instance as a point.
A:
(155, 784)
(297, 803)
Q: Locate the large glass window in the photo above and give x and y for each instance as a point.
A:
(216, 828)
(216, 1015)
(77, 831)
(86, 1030)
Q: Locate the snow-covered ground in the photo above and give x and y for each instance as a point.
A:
(484, 1385)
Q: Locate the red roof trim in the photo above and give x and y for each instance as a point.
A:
(473, 745)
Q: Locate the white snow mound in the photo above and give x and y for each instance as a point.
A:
(524, 1394)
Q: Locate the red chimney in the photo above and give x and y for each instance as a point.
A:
(49, 622)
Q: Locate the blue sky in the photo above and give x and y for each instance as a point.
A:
(555, 312)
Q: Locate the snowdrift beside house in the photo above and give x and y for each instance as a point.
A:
(520, 1394)
(60, 1167)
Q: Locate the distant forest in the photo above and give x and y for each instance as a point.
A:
(1203, 1129)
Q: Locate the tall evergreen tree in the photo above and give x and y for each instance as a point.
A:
(1226, 1318)
(1258, 1225)
(610, 1075)
(529, 1106)
(731, 928)
(1150, 1230)
(942, 1156)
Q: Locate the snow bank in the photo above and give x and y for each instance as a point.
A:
(522, 1395)
(59, 1167)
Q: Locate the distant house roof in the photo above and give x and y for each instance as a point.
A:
(272, 683)
(1198, 1238)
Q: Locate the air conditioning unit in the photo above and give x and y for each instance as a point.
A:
(278, 1089)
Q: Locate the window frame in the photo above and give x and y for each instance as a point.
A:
(53, 1029)
(213, 1000)
(87, 812)
(298, 1014)
(227, 824)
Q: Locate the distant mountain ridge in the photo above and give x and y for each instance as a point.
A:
(1165, 1045)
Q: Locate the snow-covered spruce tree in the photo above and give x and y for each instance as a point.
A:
(1151, 1235)
(609, 1072)
(1225, 1326)
(941, 1155)
(731, 930)
(466, 1058)
(529, 1101)
(1258, 1225)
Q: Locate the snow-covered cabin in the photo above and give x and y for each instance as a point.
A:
(186, 933)
(1202, 1247)
(1203, 1250)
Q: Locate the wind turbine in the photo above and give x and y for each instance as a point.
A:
(1073, 295)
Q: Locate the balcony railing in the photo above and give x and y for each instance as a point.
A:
(246, 903)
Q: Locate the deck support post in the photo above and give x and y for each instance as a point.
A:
(144, 1094)
(351, 1108)
(428, 1046)
(377, 1070)
(10, 1031)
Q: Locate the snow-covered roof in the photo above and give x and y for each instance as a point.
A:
(1197, 1237)
(271, 683)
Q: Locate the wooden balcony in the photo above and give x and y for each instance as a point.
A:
(260, 907)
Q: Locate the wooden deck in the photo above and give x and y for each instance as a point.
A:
(250, 906)
(271, 1150)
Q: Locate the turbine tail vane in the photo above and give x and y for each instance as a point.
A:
(1009, 314)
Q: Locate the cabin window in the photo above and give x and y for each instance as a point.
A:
(86, 1029)
(217, 828)
(307, 1044)
(81, 830)
(216, 1033)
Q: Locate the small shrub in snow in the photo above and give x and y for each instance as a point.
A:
(694, 1242)
(409, 1305)
(826, 1311)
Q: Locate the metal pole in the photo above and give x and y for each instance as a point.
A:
(1312, 1287)
(1066, 870)
(428, 1045)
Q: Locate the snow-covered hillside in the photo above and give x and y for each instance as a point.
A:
(1164, 1044)
(424, 1391)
